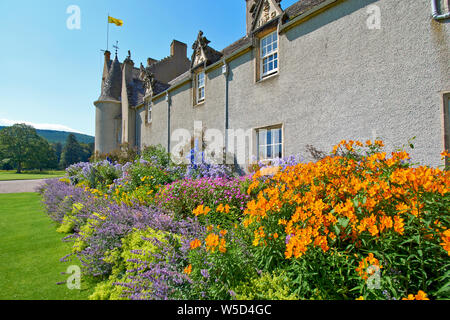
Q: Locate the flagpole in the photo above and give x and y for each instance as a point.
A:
(107, 33)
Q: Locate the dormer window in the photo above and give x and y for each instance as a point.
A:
(269, 54)
(200, 87)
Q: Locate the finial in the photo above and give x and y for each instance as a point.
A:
(116, 46)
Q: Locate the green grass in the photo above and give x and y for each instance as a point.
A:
(30, 249)
(33, 175)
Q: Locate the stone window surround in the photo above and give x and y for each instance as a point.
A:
(255, 139)
(258, 63)
(146, 106)
(273, 53)
(196, 102)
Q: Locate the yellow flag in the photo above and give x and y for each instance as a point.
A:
(117, 22)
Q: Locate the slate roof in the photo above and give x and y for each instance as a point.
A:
(301, 7)
(242, 42)
(112, 88)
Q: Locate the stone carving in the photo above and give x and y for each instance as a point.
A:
(199, 45)
(264, 11)
(148, 78)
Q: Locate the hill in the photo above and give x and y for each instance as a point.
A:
(61, 136)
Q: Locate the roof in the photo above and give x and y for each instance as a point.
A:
(301, 7)
(112, 87)
(242, 42)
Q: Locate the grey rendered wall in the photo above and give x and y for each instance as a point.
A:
(340, 80)
(210, 113)
(156, 132)
(105, 126)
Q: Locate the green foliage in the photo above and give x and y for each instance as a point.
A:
(157, 154)
(148, 174)
(72, 152)
(275, 286)
(21, 144)
(70, 219)
(43, 157)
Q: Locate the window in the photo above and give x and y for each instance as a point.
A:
(269, 54)
(200, 87)
(270, 143)
(149, 112)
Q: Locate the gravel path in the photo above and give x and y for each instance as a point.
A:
(19, 186)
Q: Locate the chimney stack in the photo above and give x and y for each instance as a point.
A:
(178, 48)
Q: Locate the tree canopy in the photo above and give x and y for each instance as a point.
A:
(21, 146)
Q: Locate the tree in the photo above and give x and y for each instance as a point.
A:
(87, 151)
(58, 150)
(72, 152)
(18, 144)
(44, 156)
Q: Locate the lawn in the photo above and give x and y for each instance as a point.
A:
(30, 250)
(33, 175)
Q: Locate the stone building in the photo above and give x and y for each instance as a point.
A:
(314, 73)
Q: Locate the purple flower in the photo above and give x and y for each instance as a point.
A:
(205, 273)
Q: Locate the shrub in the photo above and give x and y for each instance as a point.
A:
(268, 286)
(184, 196)
(125, 265)
(98, 175)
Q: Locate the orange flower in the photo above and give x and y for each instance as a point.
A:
(446, 241)
(195, 244)
(222, 246)
(419, 296)
(211, 241)
(223, 208)
(365, 263)
(399, 225)
(188, 269)
(201, 210)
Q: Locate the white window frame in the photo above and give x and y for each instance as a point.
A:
(273, 53)
(200, 89)
(149, 112)
(273, 144)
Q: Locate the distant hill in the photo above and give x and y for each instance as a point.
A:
(61, 136)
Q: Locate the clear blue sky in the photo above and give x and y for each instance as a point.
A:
(50, 75)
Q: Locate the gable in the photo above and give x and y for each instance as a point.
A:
(265, 11)
(199, 56)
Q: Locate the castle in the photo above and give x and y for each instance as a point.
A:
(314, 73)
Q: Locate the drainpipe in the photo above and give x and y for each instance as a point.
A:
(168, 120)
(435, 11)
(225, 72)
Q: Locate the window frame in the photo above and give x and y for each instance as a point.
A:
(272, 53)
(273, 144)
(199, 100)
